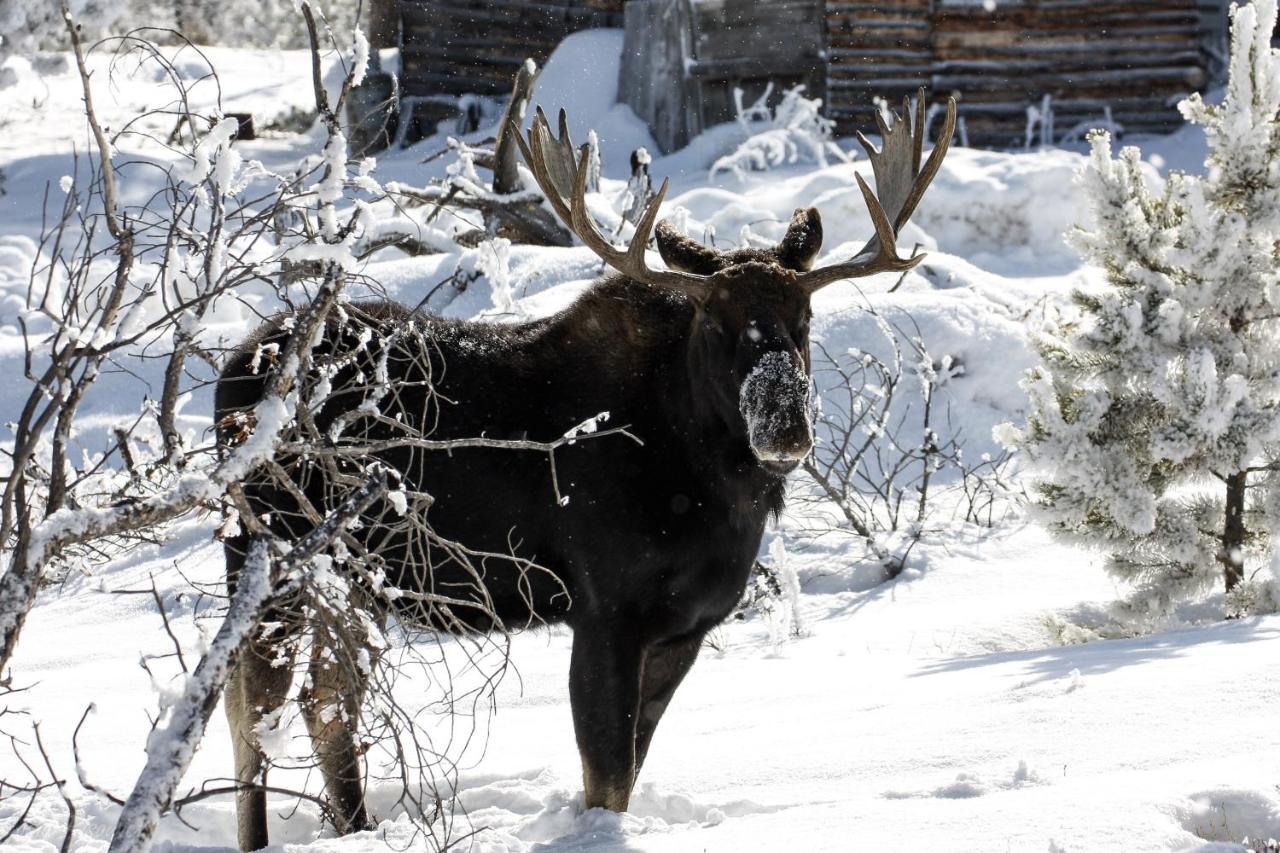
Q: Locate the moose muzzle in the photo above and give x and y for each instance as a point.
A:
(774, 401)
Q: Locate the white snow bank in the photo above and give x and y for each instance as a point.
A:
(1006, 213)
(581, 77)
(890, 724)
(986, 345)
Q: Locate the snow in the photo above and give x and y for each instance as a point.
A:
(956, 708)
(218, 138)
(595, 56)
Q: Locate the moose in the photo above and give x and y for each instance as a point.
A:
(706, 363)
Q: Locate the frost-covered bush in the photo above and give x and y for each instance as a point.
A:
(256, 23)
(794, 131)
(888, 465)
(1156, 413)
(773, 593)
(148, 279)
(27, 25)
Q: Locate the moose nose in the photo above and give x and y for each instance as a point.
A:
(782, 461)
(774, 401)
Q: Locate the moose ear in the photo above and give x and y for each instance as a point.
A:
(803, 239)
(685, 254)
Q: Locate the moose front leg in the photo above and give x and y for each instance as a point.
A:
(604, 691)
(665, 666)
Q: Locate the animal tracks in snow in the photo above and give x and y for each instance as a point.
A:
(967, 785)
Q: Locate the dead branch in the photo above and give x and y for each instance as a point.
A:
(81, 776)
(409, 244)
(506, 175)
(520, 217)
(61, 785)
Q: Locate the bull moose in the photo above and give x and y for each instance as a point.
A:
(706, 363)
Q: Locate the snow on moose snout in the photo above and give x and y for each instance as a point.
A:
(774, 401)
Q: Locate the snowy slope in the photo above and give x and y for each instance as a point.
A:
(934, 712)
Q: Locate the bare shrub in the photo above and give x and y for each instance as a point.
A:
(889, 465)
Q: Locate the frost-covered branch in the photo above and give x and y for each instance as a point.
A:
(66, 527)
(169, 265)
(793, 131)
(510, 206)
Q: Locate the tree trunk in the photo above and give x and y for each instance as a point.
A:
(1233, 531)
(506, 177)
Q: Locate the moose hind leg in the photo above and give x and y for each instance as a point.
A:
(604, 691)
(256, 685)
(331, 707)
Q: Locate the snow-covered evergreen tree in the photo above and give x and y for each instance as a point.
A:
(1155, 416)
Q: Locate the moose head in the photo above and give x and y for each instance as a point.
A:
(749, 344)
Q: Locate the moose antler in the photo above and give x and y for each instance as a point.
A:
(557, 152)
(555, 170)
(900, 183)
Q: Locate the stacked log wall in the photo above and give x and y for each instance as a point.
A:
(875, 48)
(455, 47)
(682, 60)
(1136, 58)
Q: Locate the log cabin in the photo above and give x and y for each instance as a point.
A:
(1082, 62)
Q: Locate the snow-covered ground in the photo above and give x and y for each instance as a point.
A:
(936, 712)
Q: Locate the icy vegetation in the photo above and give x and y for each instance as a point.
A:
(794, 131)
(29, 24)
(988, 696)
(1156, 414)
